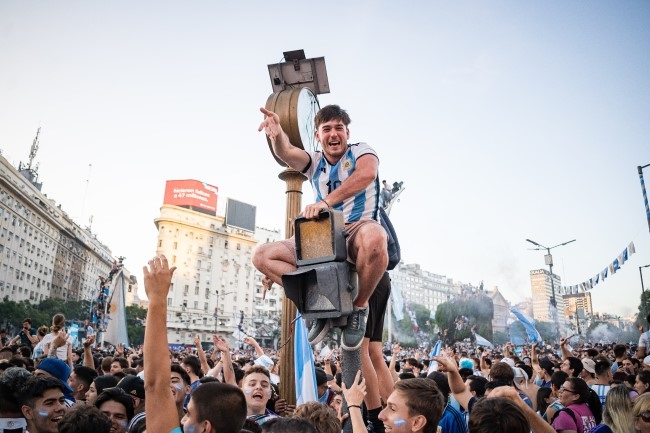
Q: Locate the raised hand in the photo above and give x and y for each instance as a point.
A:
(355, 394)
(220, 344)
(158, 278)
(271, 124)
(89, 341)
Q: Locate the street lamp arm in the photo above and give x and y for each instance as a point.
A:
(564, 243)
(535, 243)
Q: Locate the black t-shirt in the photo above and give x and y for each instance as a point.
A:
(24, 340)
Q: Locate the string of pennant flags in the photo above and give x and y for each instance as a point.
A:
(601, 276)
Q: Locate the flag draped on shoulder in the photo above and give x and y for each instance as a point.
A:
(305, 373)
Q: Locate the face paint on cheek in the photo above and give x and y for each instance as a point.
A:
(247, 391)
(178, 387)
(123, 424)
(189, 429)
(399, 422)
(43, 413)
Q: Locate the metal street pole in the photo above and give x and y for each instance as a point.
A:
(548, 258)
(645, 196)
(641, 275)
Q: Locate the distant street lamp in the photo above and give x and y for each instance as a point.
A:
(548, 258)
(216, 310)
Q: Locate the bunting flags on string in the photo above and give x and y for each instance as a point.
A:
(602, 275)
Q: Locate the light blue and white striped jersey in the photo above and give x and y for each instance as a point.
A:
(602, 391)
(325, 178)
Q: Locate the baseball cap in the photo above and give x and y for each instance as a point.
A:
(646, 360)
(58, 369)
(322, 378)
(509, 361)
(132, 385)
(589, 365)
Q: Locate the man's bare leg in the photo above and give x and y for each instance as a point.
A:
(371, 260)
(274, 260)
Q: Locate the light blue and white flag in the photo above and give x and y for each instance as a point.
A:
(529, 326)
(481, 341)
(433, 365)
(436, 349)
(305, 373)
(398, 301)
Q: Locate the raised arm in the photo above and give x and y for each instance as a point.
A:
(157, 279)
(228, 372)
(252, 342)
(565, 350)
(88, 354)
(461, 393)
(293, 156)
(205, 367)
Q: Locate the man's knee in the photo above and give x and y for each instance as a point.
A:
(373, 240)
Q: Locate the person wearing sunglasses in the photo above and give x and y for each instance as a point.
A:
(117, 405)
(582, 410)
(641, 413)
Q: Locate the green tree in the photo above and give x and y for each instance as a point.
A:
(479, 310)
(136, 317)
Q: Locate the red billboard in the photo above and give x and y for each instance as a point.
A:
(190, 192)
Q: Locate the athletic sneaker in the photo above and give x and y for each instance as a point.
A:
(318, 331)
(352, 335)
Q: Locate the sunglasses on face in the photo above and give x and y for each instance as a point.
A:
(645, 416)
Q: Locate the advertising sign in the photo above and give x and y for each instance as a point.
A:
(192, 193)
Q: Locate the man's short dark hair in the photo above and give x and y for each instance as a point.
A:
(28, 320)
(35, 388)
(118, 395)
(222, 404)
(181, 371)
(510, 418)
(575, 364)
(85, 375)
(558, 378)
(293, 425)
(331, 112)
(500, 371)
(619, 350)
(194, 364)
(477, 385)
(122, 361)
(83, 419)
(423, 397)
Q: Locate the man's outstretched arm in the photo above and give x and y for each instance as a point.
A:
(295, 157)
(157, 279)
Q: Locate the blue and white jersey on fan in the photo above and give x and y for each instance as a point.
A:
(325, 178)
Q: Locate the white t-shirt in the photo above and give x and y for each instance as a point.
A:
(645, 342)
(61, 352)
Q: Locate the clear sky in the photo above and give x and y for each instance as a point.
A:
(506, 120)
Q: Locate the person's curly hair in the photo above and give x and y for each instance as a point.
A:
(320, 415)
(82, 419)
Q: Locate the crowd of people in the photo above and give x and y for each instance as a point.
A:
(46, 386)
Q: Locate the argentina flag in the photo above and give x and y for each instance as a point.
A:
(529, 325)
(433, 365)
(305, 373)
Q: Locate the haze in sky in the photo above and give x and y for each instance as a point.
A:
(506, 120)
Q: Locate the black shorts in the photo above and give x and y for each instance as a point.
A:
(377, 309)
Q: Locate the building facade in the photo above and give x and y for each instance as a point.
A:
(215, 288)
(542, 294)
(578, 311)
(43, 252)
(501, 310)
(422, 287)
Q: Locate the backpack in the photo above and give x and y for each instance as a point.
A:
(568, 411)
(394, 251)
